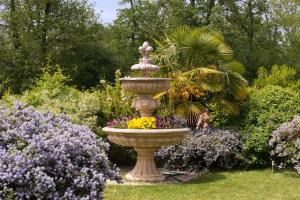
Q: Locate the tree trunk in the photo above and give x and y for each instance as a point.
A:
(44, 47)
(203, 120)
(134, 23)
(211, 5)
(14, 25)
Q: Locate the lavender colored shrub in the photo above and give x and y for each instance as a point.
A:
(286, 144)
(43, 156)
(201, 150)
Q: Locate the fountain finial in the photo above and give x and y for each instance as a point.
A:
(145, 50)
(145, 65)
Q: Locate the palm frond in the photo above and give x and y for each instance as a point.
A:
(190, 109)
(203, 72)
(234, 66)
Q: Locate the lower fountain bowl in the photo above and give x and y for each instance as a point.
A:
(145, 137)
(145, 142)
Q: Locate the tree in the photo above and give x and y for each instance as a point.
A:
(203, 70)
(247, 29)
(34, 33)
(141, 21)
(250, 27)
(286, 21)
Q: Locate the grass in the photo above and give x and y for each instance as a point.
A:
(236, 185)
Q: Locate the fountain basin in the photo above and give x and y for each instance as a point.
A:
(145, 137)
(145, 85)
(145, 142)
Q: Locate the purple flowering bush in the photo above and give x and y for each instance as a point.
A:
(286, 144)
(201, 150)
(43, 156)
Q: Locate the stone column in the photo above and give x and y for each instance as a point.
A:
(145, 104)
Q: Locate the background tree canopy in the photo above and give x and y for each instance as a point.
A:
(261, 33)
(69, 33)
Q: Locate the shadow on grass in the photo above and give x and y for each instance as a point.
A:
(291, 174)
(207, 178)
(288, 172)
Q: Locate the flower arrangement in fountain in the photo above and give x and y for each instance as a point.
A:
(147, 123)
(142, 123)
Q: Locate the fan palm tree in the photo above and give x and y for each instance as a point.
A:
(203, 71)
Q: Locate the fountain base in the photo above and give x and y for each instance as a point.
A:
(145, 168)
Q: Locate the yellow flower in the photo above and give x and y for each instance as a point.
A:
(142, 123)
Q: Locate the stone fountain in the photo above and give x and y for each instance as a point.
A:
(145, 141)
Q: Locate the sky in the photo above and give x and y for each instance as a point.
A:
(108, 9)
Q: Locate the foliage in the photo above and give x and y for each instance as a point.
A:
(43, 156)
(263, 112)
(285, 20)
(203, 70)
(114, 101)
(147, 122)
(283, 76)
(52, 93)
(218, 118)
(261, 33)
(67, 33)
(70, 33)
(203, 149)
(89, 107)
(286, 143)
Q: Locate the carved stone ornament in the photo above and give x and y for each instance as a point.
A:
(145, 65)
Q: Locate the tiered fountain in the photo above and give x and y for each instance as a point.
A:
(145, 141)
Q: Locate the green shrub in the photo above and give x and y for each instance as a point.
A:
(51, 93)
(263, 112)
(283, 75)
(114, 101)
(217, 117)
(90, 107)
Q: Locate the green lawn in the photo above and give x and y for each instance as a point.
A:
(237, 185)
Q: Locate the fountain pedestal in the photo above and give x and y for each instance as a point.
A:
(145, 168)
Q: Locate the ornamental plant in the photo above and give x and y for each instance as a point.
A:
(43, 156)
(147, 123)
(142, 123)
(286, 144)
(202, 150)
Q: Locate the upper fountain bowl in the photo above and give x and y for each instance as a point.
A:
(145, 85)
